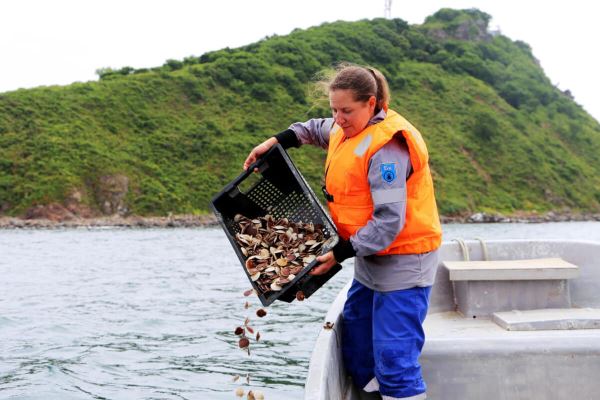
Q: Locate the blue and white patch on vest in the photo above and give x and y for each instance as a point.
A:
(388, 172)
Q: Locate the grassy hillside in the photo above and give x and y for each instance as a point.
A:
(501, 136)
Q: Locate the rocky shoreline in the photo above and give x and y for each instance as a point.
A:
(521, 217)
(175, 221)
(195, 221)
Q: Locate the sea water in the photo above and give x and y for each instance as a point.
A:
(150, 314)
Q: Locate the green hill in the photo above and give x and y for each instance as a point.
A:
(152, 141)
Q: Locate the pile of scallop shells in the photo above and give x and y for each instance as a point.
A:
(277, 249)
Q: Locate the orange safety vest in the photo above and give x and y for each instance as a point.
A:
(346, 179)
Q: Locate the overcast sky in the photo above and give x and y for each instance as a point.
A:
(47, 42)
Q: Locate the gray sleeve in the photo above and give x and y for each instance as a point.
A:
(314, 131)
(389, 169)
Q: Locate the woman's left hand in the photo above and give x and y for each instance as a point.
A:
(327, 261)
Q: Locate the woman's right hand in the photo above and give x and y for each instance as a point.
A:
(258, 151)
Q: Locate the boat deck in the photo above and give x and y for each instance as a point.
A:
(473, 357)
(452, 326)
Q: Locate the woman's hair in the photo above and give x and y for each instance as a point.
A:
(364, 82)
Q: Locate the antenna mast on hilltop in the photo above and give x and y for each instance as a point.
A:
(387, 13)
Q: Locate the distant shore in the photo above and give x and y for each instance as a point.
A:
(194, 221)
(175, 221)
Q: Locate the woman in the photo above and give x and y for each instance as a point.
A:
(381, 198)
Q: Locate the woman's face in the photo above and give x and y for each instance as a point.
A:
(351, 115)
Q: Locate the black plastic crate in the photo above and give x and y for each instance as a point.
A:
(280, 190)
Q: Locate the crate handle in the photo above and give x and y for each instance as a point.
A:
(232, 187)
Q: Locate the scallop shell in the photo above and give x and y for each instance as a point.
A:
(308, 259)
(282, 262)
(255, 276)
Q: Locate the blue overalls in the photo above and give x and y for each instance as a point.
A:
(382, 339)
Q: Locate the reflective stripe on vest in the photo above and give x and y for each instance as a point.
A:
(347, 181)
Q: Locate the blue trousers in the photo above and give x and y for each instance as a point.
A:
(383, 336)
